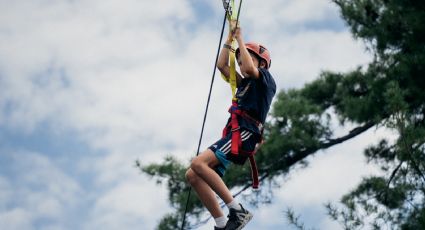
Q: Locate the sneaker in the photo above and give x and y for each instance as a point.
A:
(238, 218)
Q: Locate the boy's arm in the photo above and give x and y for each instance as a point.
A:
(223, 59)
(248, 66)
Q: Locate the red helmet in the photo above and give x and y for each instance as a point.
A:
(259, 50)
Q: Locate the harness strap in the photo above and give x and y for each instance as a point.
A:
(236, 143)
(232, 77)
(254, 172)
(229, 5)
(236, 131)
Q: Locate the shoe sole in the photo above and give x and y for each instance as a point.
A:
(246, 220)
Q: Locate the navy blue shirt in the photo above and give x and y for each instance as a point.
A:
(255, 97)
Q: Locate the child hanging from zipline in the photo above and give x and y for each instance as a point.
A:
(255, 90)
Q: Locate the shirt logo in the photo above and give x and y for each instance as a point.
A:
(243, 92)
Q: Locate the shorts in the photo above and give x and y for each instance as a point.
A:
(222, 150)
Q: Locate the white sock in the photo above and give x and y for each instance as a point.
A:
(220, 222)
(234, 204)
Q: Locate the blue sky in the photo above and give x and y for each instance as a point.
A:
(88, 87)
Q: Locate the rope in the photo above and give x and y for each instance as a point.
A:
(205, 115)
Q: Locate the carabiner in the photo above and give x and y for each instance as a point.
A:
(228, 7)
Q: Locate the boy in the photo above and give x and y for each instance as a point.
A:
(256, 89)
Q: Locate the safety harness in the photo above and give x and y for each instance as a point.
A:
(236, 144)
(234, 110)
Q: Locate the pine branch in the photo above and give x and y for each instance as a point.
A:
(303, 154)
(391, 178)
(295, 158)
(394, 173)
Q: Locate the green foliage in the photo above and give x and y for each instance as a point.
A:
(294, 220)
(416, 220)
(388, 92)
(172, 173)
(170, 222)
(394, 30)
(299, 124)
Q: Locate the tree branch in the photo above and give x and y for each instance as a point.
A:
(290, 161)
(394, 173)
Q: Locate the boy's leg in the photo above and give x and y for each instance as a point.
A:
(203, 169)
(203, 166)
(205, 193)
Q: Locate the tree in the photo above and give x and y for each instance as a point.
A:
(394, 31)
(388, 92)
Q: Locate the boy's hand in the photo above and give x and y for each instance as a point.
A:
(237, 34)
(234, 31)
(230, 35)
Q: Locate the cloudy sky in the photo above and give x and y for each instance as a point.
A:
(88, 87)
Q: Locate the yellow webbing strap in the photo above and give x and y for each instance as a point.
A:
(232, 58)
(232, 78)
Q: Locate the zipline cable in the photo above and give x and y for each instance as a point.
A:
(209, 98)
(206, 111)
(239, 13)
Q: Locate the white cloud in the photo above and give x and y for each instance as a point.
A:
(38, 190)
(117, 87)
(128, 204)
(5, 191)
(17, 218)
(300, 58)
(287, 11)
